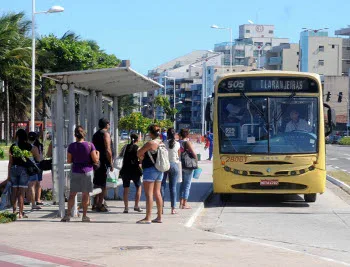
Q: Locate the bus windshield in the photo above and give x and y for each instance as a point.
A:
(268, 125)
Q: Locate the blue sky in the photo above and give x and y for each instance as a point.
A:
(150, 33)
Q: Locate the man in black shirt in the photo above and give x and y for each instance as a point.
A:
(103, 143)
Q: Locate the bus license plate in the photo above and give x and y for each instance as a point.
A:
(266, 182)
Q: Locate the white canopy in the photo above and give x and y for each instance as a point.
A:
(111, 82)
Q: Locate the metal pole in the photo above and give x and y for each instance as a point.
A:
(174, 104)
(204, 86)
(258, 58)
(164, 96)
(230, 49)
(32, 108)
(347, 126)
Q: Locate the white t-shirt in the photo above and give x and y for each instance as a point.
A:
(301, 125)
(173, 152)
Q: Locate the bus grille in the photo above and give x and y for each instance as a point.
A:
(280, 186)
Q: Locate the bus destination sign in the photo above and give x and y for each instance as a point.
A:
(267, 84)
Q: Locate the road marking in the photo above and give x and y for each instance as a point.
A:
(45, 258)
(279, 247)
(333, 159)
(344, 170)
(9, 264)
(24, 261)
(336, 167)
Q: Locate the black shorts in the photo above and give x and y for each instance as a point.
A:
(100, 176)
(127, 179)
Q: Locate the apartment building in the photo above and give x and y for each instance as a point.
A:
(283, 57)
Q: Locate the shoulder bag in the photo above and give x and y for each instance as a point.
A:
(95, 165)
(187, 160)
(118, 162)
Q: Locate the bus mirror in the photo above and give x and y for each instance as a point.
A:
(209, 111)
(330, 119)
(334, 117)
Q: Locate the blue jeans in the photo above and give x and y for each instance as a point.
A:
(173, 175)
(186, 183)
(210, 151)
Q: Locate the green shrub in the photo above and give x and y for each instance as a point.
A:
(345, 141)
(46, 194)
(6, 217)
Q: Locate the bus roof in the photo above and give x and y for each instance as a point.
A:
(270, 73)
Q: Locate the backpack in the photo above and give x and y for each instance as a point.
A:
(162, 163)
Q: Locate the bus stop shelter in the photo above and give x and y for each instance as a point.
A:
(82, 98)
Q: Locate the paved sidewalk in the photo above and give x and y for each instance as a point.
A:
(114, 239)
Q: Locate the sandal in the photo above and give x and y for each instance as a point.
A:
(156, 220)
(143, 221)
(186, 207)
(86, 219)
(173, 211)
(126, 211)
(39, 203)
(102, 209)
(138, 209)
(66, 218)
(36, 207)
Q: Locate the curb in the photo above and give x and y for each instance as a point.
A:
(199, 209)
(338, 183)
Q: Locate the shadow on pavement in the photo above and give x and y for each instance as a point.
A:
(256, 200)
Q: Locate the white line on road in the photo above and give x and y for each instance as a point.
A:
(333, 159)
(26, 261)
(283, 248)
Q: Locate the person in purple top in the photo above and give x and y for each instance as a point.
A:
(82, 155)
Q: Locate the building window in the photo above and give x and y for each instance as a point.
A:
(321, 48)
(297, 53)
(348, 48)
(348, 62)
(247, 31)
(187, 70)
(297, 66)
(208, 71)
(321, 62)
(271, 31)
(333, 46)
(197, 73)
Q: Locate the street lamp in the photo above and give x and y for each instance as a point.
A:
(174, 79)
(53, 9)
(230, 30)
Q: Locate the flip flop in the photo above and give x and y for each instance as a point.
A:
(143, 222)
(186, 207)
(173, 212)
(156, 221)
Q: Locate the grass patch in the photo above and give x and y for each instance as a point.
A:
(6, 217)
(340, 175)
(345, 141)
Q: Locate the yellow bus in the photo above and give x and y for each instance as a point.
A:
(269, 134)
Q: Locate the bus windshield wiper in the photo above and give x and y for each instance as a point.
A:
(254, 105)
(290, 98)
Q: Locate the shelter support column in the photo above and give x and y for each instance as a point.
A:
(60, 148)
(71, 127)
(82, 111)
(99, 110)
(93, 112)
(115, 124)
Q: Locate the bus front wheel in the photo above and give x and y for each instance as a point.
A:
(310, 197)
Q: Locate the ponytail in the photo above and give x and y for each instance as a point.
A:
(171, 137)
(133, 139)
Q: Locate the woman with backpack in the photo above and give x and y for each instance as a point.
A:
(20, 153)
(82, 155)
(152, 177)
(187, 174)
(131, 171)
(173, 148)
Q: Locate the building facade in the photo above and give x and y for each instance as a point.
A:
(283, 57)
(320, 54)
(253, 42)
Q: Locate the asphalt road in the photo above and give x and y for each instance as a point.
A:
(321, 229)
(338, 157)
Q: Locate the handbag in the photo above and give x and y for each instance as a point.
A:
(187, 160)
(95, 165)
(31, 167)
(46, 165)
(118, 162)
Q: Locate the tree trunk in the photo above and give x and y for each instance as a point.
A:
(7, 118)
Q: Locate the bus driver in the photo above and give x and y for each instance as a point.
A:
(297, 124)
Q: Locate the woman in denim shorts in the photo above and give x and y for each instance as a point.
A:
(17, 172)
(152, 178)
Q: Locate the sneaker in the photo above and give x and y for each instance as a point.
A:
(66, 218)
(138, 209)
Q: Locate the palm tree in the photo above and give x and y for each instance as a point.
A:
(15, 55)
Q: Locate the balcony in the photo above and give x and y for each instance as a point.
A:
(275, 61)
